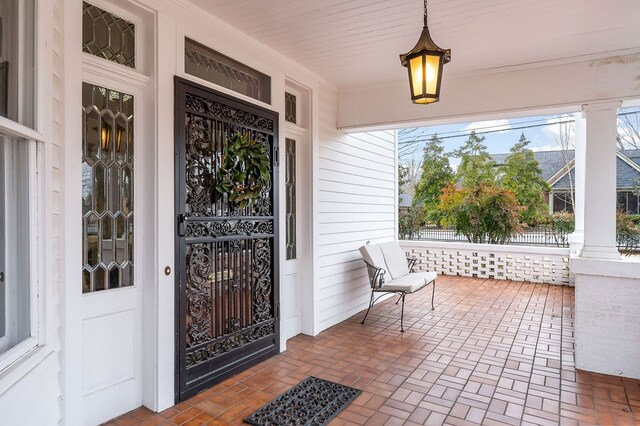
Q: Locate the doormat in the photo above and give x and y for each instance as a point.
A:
(313, 401)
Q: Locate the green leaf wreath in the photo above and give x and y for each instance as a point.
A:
(244, 170)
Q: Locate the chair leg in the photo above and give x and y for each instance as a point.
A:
(433, 293)
(368, 309)
(402, 315)
(398, 299)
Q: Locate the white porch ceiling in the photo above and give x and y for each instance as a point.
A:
(357, 42)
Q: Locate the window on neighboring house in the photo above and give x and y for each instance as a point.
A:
(562, 202)
(628, 202)
(20, 155)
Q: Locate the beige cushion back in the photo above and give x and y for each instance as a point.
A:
(395, 259)
(373, 256)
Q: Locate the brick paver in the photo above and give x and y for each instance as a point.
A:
(492, 352)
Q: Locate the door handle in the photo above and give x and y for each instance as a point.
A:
(1, 277)
(180, 225)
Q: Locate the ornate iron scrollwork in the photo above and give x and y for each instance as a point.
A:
(262, 270)
(198, 297)
(224, 112)
(214, 229)
(228, 282)
(221, 346)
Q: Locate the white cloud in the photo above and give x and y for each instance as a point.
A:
(556, 127)
(490, 125)
(553, 147)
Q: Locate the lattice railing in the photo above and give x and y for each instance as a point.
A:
(518, 263)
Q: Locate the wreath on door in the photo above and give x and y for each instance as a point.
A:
(244, 172)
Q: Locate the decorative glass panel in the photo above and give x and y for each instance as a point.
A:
(290, 194)
(217, 68)
(107, 188)
(290, 108)
(108, 36)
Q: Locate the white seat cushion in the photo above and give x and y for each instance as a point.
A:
(395, 259)
(372, 254)
(410, 282)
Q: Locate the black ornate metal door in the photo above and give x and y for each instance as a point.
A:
(226, 255)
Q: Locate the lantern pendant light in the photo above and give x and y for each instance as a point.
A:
(424, 63)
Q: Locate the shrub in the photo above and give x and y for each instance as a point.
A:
(483, 214)
(627, 233)
(409, 221)
(561, 224)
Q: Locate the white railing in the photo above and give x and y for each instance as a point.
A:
(504, 262)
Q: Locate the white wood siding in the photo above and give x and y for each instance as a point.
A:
(36, 398)
(356, 202)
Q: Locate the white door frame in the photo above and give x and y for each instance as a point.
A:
(81, 67)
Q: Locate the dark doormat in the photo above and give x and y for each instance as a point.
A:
(313, 401)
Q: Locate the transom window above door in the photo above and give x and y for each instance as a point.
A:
(108, 36)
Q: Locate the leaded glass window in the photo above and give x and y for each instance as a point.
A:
(217, 68)
(290, 108)
(290, 194)
(108, 36)
(107, 188)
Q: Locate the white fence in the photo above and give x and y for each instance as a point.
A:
(507, 262)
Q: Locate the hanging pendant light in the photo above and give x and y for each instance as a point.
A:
(424, 63)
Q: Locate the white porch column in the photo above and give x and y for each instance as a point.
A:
(576, 239)
(599, 207)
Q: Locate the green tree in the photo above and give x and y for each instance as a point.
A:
(436, 174)
(485, 213)
(521, 175)
(403, 173)
(476, 165)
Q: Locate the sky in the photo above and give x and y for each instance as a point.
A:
(544, 133)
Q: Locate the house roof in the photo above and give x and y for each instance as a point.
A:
(551, 162)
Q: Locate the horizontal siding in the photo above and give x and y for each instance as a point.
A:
(356, 203)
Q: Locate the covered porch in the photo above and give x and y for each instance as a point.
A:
(492, 352)
(112, 323)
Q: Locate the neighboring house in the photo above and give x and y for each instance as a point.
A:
(558, 170)
(406, 200)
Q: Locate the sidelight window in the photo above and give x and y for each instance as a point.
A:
(290, 194)
(107, 188)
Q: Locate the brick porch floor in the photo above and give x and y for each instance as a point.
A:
(492, 352)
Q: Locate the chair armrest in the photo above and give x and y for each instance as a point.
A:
(376, 275)
(411, 262)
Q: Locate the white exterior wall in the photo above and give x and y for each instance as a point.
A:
(30, 390)
(356, 202)
(607, 330)
(549, 265)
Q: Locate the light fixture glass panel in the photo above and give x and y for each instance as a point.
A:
(415, 67)
(432, 66)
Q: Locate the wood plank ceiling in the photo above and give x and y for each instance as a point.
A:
(357, 42)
